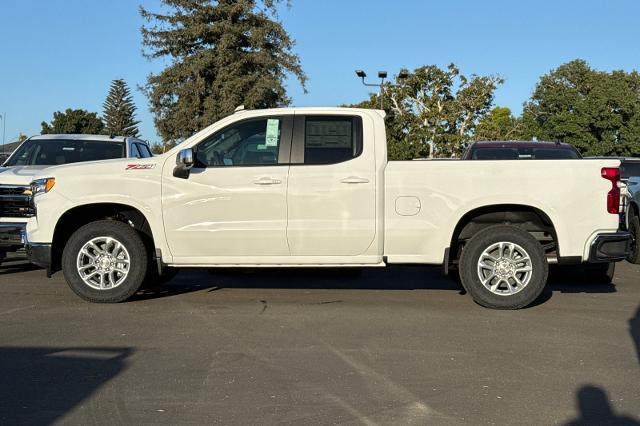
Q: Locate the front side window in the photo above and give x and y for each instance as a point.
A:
(329, 140)
(144, 151)
(134, 151)
(248, 143)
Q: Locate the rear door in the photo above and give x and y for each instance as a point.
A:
(331, 196)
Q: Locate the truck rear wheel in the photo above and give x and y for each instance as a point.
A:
(105, 262)
(634, 228)
(503, 267)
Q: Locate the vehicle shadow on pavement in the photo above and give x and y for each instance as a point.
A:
(389, 278)
(16, 264)
(40, 385)
(594, 409)
(634, 329)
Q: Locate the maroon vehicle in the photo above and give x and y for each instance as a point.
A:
(520, 150)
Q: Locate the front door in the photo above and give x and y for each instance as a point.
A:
(234, 202)
(332, 187)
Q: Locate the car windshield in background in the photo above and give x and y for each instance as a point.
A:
(51, 152)
(523, 153)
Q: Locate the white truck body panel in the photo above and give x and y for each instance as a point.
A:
(353, 213)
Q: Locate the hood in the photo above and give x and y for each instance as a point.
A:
(19, 175)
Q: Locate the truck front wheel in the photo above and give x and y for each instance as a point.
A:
(503, 267)
(105, 261)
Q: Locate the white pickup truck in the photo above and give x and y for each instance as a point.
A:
(313, 187)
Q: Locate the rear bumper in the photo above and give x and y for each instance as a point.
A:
(12, 236)
(612, 247)
(40, 255)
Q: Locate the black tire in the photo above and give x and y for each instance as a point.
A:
(129, 238)
(483, 240)
(634, 228)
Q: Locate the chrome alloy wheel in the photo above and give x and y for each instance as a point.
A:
(504, 268)
(103, 263)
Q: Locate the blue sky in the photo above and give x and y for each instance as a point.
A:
(60, 54)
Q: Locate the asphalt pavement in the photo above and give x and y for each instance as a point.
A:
(396, 345)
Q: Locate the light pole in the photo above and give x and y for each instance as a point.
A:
(382, 75)
(4, 128)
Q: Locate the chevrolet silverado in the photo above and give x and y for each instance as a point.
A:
(313, 187)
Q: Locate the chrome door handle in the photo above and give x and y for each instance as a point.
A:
(355, 179)
(267, 181)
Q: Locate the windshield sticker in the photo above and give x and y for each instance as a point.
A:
(140, 166)
(273, 132)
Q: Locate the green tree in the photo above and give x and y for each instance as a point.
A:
(74, 121)
(434, 111)
(223, 53)
(499, 125)
(119, 111)
(597, 111)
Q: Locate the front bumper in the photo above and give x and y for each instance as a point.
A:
(12, 236)
(611, 247)
(40, 255)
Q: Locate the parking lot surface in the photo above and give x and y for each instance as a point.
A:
(389, 346)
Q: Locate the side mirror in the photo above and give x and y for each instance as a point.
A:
(184, 163)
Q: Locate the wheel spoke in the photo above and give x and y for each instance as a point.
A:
(518, 282)
(484, 265)
(488, 279)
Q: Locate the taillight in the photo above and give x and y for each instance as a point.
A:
(612, 174)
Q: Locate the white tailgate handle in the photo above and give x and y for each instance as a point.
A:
(267, 181)
(355, 179)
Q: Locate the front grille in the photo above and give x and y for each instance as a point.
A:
(14, 202)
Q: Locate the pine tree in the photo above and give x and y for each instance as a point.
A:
(223, 54)
(119, 111)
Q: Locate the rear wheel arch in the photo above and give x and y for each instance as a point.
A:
(528, 218)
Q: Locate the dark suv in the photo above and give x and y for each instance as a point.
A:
(520, 150)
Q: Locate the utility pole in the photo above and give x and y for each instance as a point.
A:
(382, 75)
(4, 129)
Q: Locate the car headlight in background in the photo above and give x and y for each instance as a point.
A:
(42, 186)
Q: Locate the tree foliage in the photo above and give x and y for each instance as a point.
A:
(119, 111)
(499, 125)
(223, 53)
(434, 111)
(597, 111)
(74, 121)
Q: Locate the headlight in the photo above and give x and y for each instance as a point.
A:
(42, 186)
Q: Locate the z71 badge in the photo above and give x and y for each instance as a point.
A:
(140, 166)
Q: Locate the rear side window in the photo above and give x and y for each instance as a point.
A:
(331, 139)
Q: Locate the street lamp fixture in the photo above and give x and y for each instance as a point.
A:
(382, 75)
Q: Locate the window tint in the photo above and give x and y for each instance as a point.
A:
(329, 140)
(249, 143)
(134, 151)
(50, 152)
(144, 150)
(524, 153)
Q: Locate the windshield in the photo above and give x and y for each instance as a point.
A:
(523, 153)
(51, 152)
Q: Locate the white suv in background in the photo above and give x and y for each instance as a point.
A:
(38, 153)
